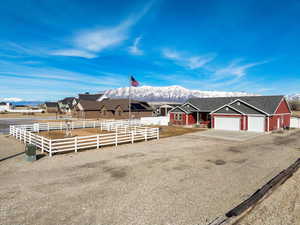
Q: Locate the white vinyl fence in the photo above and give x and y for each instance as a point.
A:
(160, 120)
(295, 122)
(122, 132)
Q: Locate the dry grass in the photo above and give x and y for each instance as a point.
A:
(296, 113)
(57, 134)
(170, 131)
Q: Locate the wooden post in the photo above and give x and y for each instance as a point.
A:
(42, 144)
(75, 143)
(132, 137)
(50, 148)
(157, 130)
(101, 126)
(94, 124)
(116, 138)
(29, 137)
(84, 124)
(98, 141)
(48, 127)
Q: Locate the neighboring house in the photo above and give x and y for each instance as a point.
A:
(91, 97)
(251, 113)
(5, 106)
(111, 108)
(166, 108)
(66, 104)
(51, 107)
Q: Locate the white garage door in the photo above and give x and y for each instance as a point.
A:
(256, 123)
(227, 123)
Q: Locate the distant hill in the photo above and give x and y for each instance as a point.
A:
(167, 94)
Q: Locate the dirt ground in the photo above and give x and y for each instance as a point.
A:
(56, 134)
(169, 131)
(165, 131)
(22, 115)
(186, 180)
(296, 113)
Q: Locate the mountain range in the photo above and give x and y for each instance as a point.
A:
(167, 93)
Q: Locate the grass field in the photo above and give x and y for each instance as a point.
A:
(170, 131)
(22, 115)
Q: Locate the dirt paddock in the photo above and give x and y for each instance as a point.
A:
(165, 131)
(187, 179)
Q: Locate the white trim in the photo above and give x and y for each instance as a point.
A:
(268, 123)
(248, 105)
(279, 105)
(229, 107)
(191, 105)
(227, 114)
(280, 114)
(179, 108)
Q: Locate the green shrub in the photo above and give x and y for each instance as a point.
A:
(30, 150)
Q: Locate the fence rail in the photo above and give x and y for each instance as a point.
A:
(122, 132)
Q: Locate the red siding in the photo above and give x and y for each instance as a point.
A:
(191, 119)
(178, 122)
(283, 107)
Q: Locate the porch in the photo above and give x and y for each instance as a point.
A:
(200, 118)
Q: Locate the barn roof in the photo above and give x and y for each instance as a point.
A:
(267, 104)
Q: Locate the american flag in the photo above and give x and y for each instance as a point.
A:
(134, 82)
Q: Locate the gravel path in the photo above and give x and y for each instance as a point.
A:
(186, 180)
(282, 207)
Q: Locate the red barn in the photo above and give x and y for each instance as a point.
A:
(247, 113)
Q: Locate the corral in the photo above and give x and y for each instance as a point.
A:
(107, 133)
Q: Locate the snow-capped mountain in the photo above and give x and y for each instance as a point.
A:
(167, 94)
(293, 97)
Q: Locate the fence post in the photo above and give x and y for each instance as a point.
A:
(98, 141)
(146, 130)
(84, 124)
(50, 148)
(42, 144)
(75, 143)
(116, 138)
(61, 125)
(132, 137)
(48, 126)
(94, 124)
(29, 137)
(157, 133)
(101, 126)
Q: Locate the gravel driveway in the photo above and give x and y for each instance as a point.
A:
(186, 179)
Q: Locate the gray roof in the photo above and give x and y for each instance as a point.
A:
(51, 104)
(267, 104)
(90, 97)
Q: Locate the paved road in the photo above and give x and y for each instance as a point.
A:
(184, 180)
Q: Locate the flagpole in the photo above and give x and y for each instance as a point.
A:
(129, 101)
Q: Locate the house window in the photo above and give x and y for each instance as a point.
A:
(178, 116)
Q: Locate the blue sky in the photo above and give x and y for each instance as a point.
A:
(55, 48)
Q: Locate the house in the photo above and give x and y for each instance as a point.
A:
(111, 108)
(91, 97)
(247, 113)
(66, 104)
(5, 106)
(51, 107)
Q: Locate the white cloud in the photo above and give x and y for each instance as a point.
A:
(74, 52)
(89, 42)
(236, 69)
(134, 49)
(11, 99)
(187, 60)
